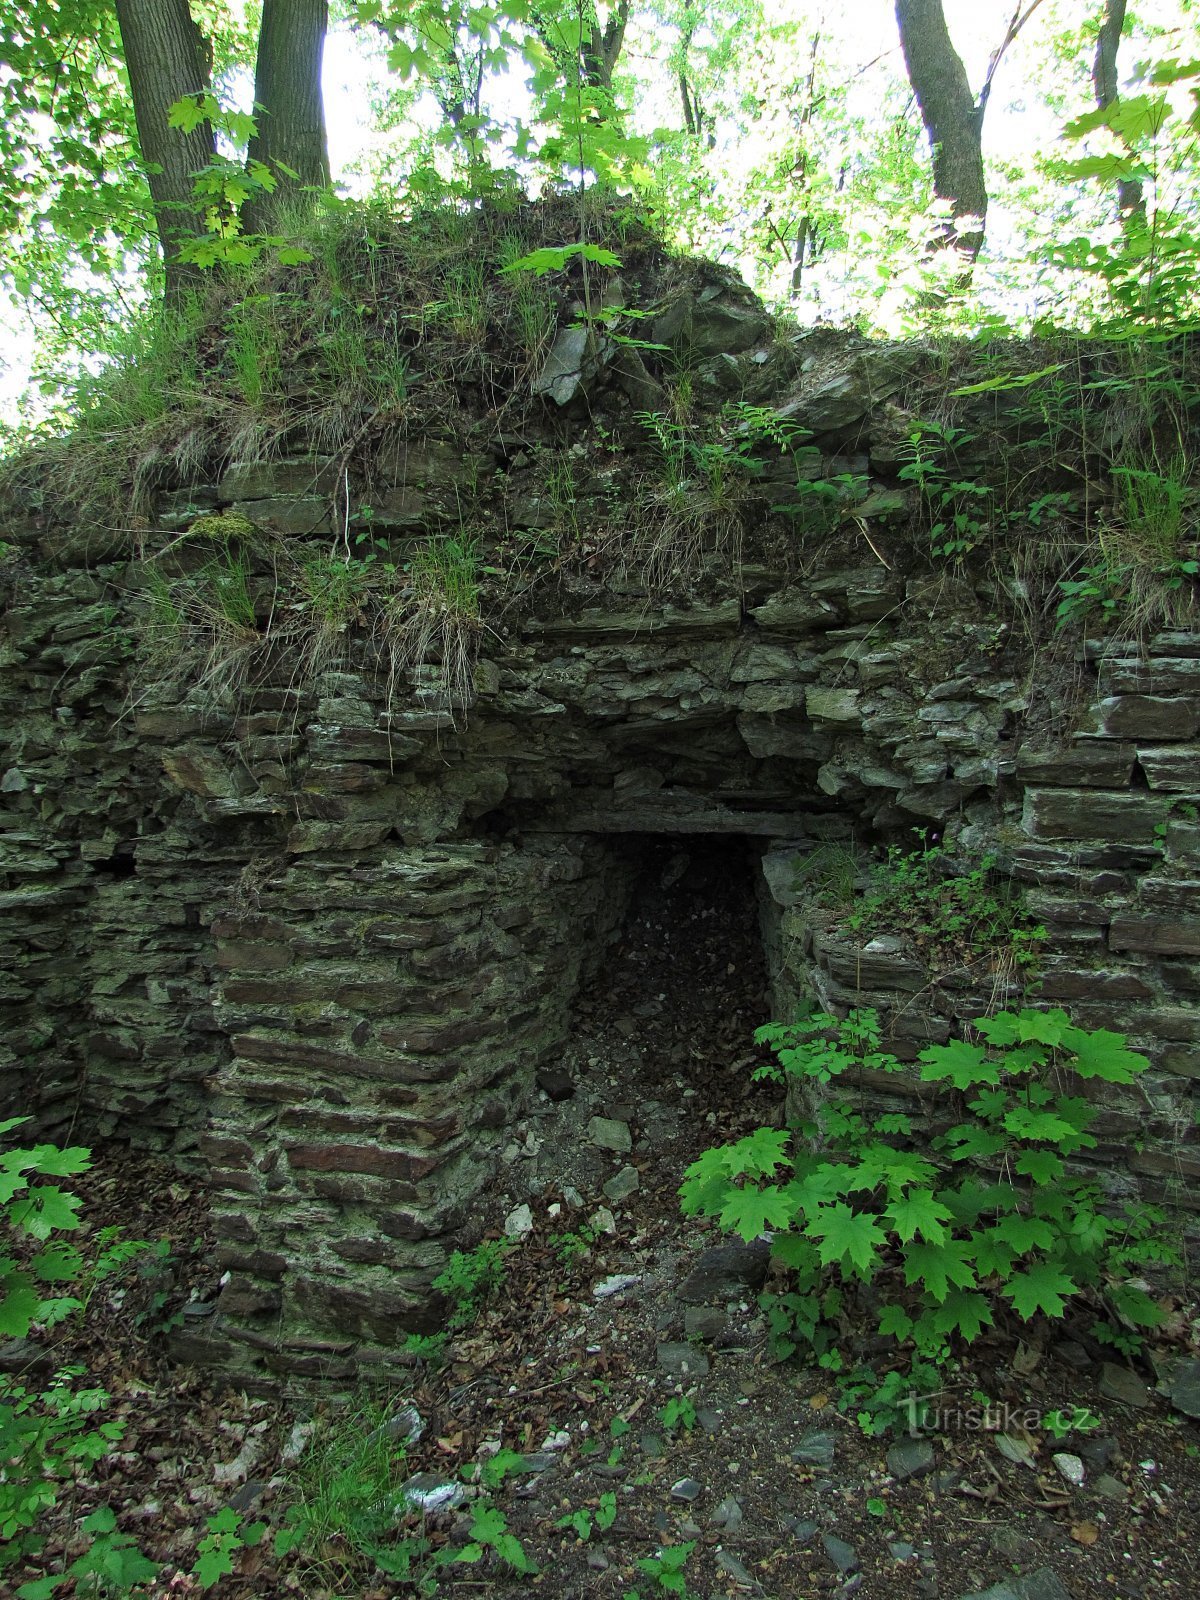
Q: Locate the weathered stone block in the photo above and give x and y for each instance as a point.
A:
(1093, 765)
(372, 1160)
(1092, 814)
(1171, 766)
(270, 480)
(1160, 935)
(832, 705)
(1141, 716)
(792, 615)
(298, 517)
(307, 837)
(1152, 675)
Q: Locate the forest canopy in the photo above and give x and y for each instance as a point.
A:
(1001, 166)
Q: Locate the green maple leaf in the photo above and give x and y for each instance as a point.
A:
(960, 1313)
(938, 1266)
(750, 1211)
(968, 1143)
(57, 1163)
(844, 1234)
(1024, 1234)
(1024, 1123)
(918, 1212)
(43, 1210)
(18, 1309)
(1043, 1166)
(961, 1064)
(1039, 1288)
(795, 1251)
(993, 1256)
(1104, 1055)
(903, 1167)
(1024, 1027)
(895, 1323)
(759, 1154)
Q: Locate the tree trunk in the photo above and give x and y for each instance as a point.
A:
(166, 58)
(1131, 199)
(288, 105)
(953, 121)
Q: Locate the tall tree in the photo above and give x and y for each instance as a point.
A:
(166, 59)
(1131, 197)
(953, 116)
(290, 135)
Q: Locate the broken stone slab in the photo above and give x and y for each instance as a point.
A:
(609, 1134)
(518, 1222)
(726, 1271)
(728, 1516)
(816, 1449)
(844, 1556)
(733, 1568)
(911, 1458)
(575, 358)
(1120, 1384)
(1041, 1585)
(622, 1184)
(832, 705)
(717, 321)
(1183, 1388)
(704, 1322)
(686, 1489)
(428, 1492)
(1142, 716)
(682, 1360)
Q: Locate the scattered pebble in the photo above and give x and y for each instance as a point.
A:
(843, 1555)
(619, 1282)
(622, 1184)
(609, 1134)
(518, 1222)
(686, 1489)
(1070, 1467)
(815, 1450)
(429, 1491)
(728, 1516)
(911, 1458)
(682, 1360)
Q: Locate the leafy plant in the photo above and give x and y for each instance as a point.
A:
(471, 1279)
(583, 1522)
(227, 1534)
(45, 1438)
(991, 1219)
(960, 509)
(111, 1565)
(679, 1412)
(951, 914)
(665, 1568)
(345, 1496)
(489, 1531)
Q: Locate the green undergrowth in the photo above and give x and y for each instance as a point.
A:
(952, 913)
(927, 1227)
(1056, 477)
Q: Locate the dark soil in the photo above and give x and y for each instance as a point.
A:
(663, 1043)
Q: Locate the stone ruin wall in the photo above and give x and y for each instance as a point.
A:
(315, 941)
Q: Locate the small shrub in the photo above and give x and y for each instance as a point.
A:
(990, 1220)
(471, 1279)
